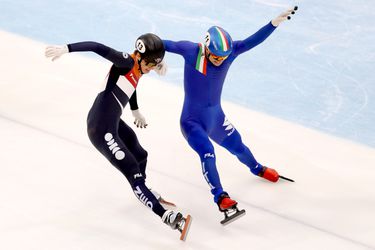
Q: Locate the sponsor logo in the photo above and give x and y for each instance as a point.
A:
(209, 155)
(207, 39)
(228, 126)
(205, 174)
(132, 76)
(113, 147)
(138, 192)
(139, 175)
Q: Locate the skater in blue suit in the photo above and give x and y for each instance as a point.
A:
(202, 118)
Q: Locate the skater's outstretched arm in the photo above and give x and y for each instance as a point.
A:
(119, 59)
(180, 47)
(261, 35)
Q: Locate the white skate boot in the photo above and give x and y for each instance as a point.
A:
(177, 221)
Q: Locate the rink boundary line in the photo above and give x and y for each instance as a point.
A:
(282, 216)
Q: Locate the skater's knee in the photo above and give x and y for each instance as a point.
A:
(142, 167)
(143, 154)
(136, 180)
(208, 155)
(206, 152)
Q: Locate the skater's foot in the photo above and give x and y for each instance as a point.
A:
(229, 208)
(269, 174)
(225, 202)
(172, 218)
(177, 221)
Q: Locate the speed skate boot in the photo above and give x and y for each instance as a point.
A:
(229, 208)
(225, 202)
(269, 174)
(177, 221)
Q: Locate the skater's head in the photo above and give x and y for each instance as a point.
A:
(149, 51)
(218, 45)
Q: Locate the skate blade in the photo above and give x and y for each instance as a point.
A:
(185, 231)
(233, 217)
(285, 178)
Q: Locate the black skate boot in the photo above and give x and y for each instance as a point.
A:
(177, 221)
(229, 208)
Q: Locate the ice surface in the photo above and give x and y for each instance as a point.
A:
(58, 192)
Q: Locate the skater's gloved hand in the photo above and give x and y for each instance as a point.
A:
(161, 68)
(55, 51)
(284, 16)
(140, 120)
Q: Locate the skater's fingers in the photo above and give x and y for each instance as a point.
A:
(55, 58)
(49, 52)
(290, 11)
(294, 9)
(286, 13)
(51, 48)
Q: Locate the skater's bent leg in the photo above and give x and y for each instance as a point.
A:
(144, 195)
(227, 136)
(119, 155)
(198, 140)
(234, 144)
(137, 181)
(130, 139)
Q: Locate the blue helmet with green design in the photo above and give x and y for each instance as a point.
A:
(218, 41)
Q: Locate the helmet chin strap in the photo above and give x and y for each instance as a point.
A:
(207, 53)
(139, 66)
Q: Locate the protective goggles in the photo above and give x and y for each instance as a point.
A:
(215, 57)
(218, 58)
(151, 64)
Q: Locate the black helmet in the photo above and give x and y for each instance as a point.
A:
(151, 48)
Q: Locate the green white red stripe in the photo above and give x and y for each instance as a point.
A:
(223, 40)
(201, 64)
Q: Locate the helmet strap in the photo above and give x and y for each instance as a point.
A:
(207, 52)
(139, 65)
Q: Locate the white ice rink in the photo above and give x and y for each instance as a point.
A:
(58, 192)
